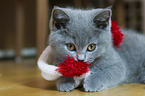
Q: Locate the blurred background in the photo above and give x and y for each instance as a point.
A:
(24, 24)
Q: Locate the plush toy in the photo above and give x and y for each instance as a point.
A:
(73, 68)
(68, 68)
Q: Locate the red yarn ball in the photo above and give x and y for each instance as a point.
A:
(117, 35)
(72, 67)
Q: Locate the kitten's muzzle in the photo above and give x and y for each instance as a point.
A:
(81, 57)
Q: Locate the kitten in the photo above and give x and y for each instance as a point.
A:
(85, 35)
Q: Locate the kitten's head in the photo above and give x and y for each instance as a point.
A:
(81, 34)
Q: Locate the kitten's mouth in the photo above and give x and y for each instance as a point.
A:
(76, 58)
(81, 60)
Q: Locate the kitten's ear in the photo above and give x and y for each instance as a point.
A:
(59, 19)
(101, 20)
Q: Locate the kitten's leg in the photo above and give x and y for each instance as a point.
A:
(104, 78)
(65, 84)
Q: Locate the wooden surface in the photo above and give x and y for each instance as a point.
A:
(24, 79)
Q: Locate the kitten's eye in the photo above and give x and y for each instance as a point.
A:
(91, 47)
(71, 46)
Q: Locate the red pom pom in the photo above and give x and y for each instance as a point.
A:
(71, 67)
(117, 35)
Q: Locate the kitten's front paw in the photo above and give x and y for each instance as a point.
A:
(92, 85)
(65, 84)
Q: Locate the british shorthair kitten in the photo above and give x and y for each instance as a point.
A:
(86, 35)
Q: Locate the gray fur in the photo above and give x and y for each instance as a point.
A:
(110, 66)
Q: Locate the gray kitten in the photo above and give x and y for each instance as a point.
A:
(85, 35)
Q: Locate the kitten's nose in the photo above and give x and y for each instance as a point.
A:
(81, 57)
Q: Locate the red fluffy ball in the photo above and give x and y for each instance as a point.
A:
(117, 35)
(72, 67)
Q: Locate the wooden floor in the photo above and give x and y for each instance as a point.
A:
(24, 79)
